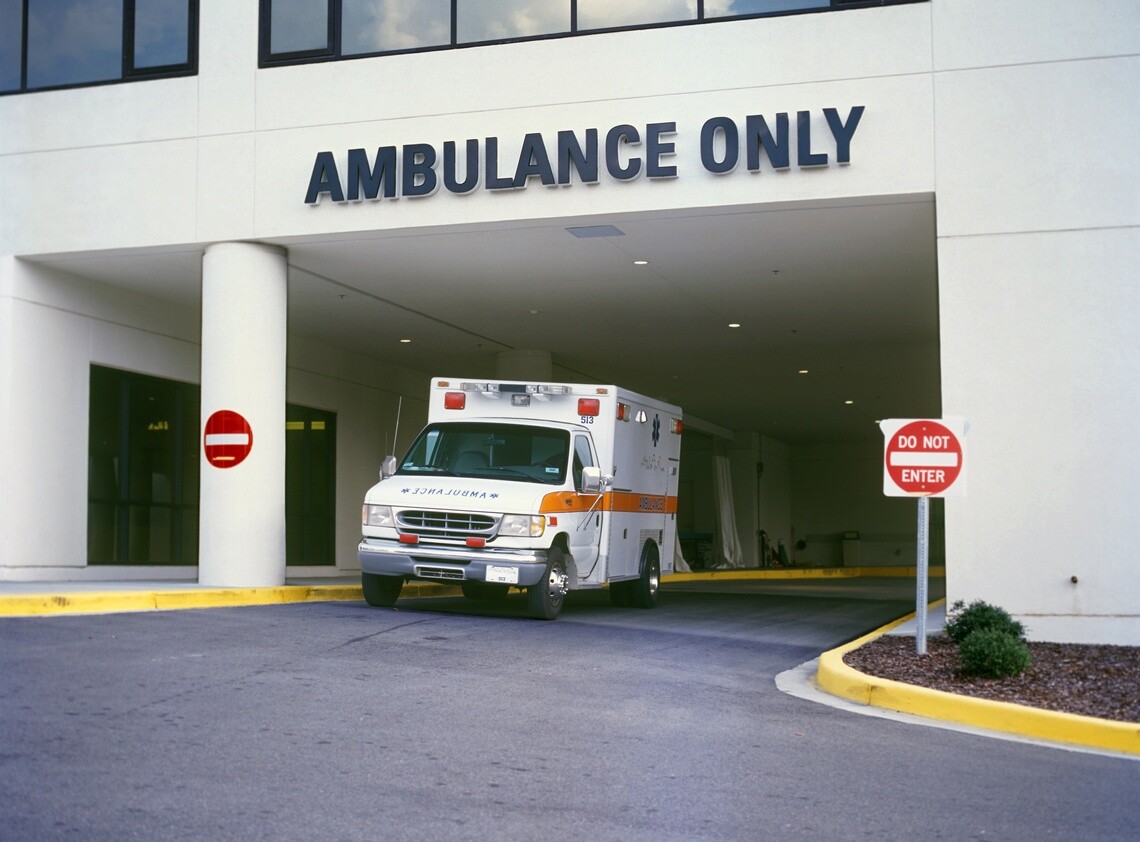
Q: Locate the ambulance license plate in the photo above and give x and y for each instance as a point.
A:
(502, 575)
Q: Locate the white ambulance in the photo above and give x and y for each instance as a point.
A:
(550, 487)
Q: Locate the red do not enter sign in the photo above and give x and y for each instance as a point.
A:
(922, 458)
(227, 439)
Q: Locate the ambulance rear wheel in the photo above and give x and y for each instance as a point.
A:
(381, 591)
(644, 589)
(545, 598)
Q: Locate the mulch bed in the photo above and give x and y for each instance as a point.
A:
(1087, 679)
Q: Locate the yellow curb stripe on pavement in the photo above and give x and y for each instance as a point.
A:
(94, 602)
(100, 602)
(837, 678)
(786, 573)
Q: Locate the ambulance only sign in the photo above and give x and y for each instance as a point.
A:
(923, 458)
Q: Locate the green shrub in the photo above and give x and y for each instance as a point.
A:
(993, 653)
(964, 620)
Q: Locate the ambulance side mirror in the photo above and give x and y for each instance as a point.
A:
(387, 467)
(593, 482)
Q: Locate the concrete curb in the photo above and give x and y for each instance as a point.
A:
(835, 677)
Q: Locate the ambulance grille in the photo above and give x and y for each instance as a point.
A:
(458, 525)
(448, 574)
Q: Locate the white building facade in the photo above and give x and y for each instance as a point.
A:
(167, 222)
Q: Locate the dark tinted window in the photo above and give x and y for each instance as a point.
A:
(600, 14)
(298, 26)
(72, 42)
(294, 31)
(310, 486)
(380, 26)
(11, 38)
(142, 474)
(732, 8)
(161, 33)
(499, 20)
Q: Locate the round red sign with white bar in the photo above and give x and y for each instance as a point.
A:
(227, 440)
(923, 458)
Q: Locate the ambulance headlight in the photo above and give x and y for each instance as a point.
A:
(522, 526)
(377, 516)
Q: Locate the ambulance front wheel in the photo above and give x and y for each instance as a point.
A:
(545, 598)
(644, 588)
(381, 591)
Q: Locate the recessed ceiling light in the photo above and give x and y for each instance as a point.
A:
(641, 263)
(405, 341)
(849, 403)
(802, 371)
(734, 324)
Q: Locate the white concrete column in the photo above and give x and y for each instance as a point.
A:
(242, 514)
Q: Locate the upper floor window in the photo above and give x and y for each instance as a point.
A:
(47, 44)
(294, 31)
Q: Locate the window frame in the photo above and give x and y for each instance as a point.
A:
(267, 59)
(128, 72)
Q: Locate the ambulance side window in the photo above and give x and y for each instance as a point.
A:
(582, 459)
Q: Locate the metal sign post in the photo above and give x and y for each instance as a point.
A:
(920, 596)
(923, 458)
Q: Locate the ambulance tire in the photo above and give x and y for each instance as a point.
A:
(644, 588)
(544, 599)
(485, 591)
(381, 591)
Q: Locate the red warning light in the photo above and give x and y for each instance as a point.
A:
(589, 406)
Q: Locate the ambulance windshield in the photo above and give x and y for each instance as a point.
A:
(490, 451)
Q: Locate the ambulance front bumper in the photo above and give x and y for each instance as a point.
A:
(452, 564)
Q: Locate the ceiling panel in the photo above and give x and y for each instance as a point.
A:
(847, 291)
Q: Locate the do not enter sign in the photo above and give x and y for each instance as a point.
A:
(227, 440)
(923, 458)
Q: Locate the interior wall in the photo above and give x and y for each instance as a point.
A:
(838, 489)
(696, 505)
(774, 503)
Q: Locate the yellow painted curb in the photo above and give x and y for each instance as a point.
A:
(106, 602)
(800, 573)
(94, 602)
(837, 678)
